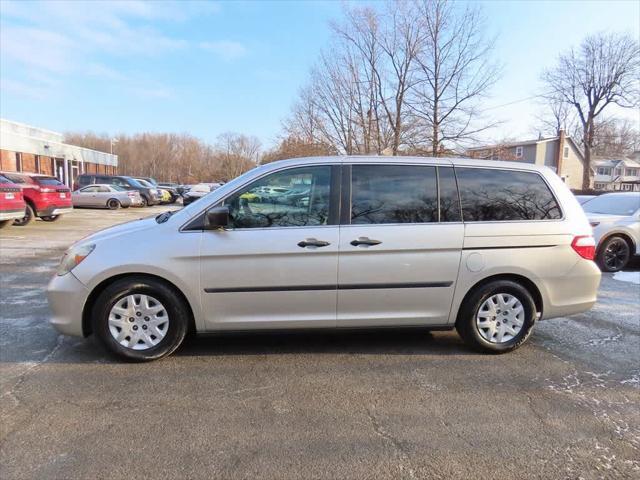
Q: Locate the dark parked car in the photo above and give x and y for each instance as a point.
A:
(175, 195)
(150, 196)
(46, 197)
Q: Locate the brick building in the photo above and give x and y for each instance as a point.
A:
(28, 149)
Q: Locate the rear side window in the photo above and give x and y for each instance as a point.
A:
(393, 194)
(501, 195)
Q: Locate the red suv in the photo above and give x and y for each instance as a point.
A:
(11, 202)
(46, 197)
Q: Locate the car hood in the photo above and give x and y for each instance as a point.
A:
(120, 230)
(604, 218)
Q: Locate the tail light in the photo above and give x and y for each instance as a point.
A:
(585, 246)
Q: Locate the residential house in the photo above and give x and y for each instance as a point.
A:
(559, 153)
(616, 174)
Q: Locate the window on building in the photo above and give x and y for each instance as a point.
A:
(519, 151)
(393, 194)
(604, 170)
(36, 160)
(631, 172)
(565, 153)
(618, 171)
(502, 195)
(599, 186)
(18, 162)
(627, 186)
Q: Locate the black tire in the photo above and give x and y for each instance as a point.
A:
(614, 254)
(5, 223)
(29, 216)
(176, 310)
(51, 218)
(113, 204)
(466, 321)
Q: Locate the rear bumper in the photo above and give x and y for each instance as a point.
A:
(54, 210)
(67, 296)
(11, 214)
(575, 292)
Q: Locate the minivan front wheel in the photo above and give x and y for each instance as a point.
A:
(140, 319)
(497, 317)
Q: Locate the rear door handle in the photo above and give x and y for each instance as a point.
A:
(365, 241)
(312, 242)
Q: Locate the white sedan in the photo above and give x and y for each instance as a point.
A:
(105, 196)
(615, 218)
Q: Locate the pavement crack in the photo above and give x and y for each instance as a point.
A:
(399, 449)
(30, 368)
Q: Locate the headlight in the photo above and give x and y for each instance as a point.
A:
(73, 257)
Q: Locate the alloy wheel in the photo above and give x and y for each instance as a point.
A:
(616, 254)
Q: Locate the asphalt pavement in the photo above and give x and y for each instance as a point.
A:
(370, 404)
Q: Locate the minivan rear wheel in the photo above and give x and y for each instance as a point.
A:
(140, 319)
(497, 317)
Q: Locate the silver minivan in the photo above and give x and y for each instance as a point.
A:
(488, 248)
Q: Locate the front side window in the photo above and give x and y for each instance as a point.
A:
(298, 197)
(503, 195)
(393, 194)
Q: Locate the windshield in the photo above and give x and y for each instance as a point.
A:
(4, 180)
(48, 181)
(613, 204)
(144, 183)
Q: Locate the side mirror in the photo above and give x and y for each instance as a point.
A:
(216, 218)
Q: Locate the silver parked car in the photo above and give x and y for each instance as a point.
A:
(105, 196)
(487, 248)
(615, 218)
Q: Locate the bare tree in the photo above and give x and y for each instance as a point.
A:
(455, 71)
(602, 72)
(556, 115)
(615, 138)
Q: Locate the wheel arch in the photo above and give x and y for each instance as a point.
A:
(618, 233)
(88, 306)
(527, 283)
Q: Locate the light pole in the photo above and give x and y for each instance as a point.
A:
(113, 141)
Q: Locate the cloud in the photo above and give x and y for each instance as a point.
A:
(63, 38)
(23, 89)
(225, 49)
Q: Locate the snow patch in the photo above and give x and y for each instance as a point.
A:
(631, 277)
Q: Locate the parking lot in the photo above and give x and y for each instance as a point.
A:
(371, 404)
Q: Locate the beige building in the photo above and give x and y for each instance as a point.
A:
(560, 153)
(29, 149)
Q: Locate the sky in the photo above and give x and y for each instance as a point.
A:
(205, 68)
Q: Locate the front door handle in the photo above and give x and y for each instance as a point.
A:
(365, 241)
(312, 242)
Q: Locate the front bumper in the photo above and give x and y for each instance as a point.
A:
(67, 296)
(11, 214)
